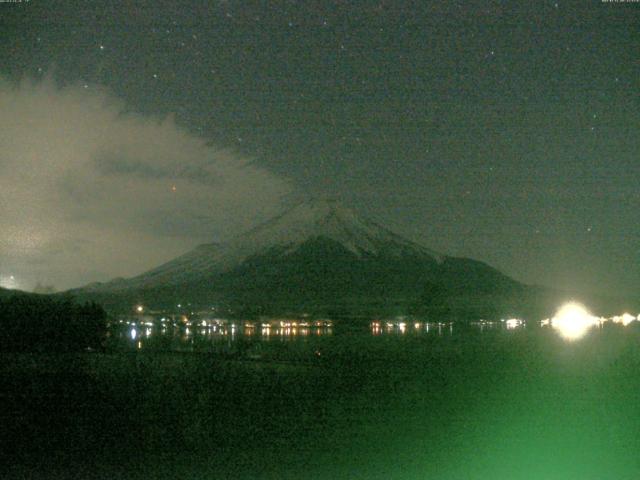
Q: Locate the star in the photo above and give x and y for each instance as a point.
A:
(101, 47)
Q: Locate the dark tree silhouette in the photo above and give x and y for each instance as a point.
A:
(44, 323)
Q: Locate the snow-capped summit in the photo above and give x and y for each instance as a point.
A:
(282, 235)
(327, 219)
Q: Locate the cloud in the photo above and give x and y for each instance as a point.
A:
(89, 191)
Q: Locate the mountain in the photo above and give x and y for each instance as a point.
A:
(319, 257)
(280, 237)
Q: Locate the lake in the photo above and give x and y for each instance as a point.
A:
(363, 400)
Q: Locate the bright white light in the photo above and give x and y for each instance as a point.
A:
(133, 333)
(573, 320)
(8, 281)
(139, 309)
(625, 319)
(513, 323)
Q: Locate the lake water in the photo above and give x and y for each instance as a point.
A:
(365, 401)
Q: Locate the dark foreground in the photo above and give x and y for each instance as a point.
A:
(504, 405)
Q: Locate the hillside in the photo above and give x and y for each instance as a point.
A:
(317, 257)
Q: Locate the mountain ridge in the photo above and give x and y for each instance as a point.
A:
(288, 231)
(314, 256)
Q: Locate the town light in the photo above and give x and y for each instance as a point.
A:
(573, 321)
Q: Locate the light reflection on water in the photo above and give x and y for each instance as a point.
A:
(224, 335)
(200, 335)
(402, 328)
(215, 336)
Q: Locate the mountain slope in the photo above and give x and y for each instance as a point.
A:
(315, 255)
(279, 236)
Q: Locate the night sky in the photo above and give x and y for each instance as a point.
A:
(508, 132)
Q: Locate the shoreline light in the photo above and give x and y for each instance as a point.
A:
(513, 323)
(573, 320)
(625, 319)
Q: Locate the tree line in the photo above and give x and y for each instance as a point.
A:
(40, 323)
